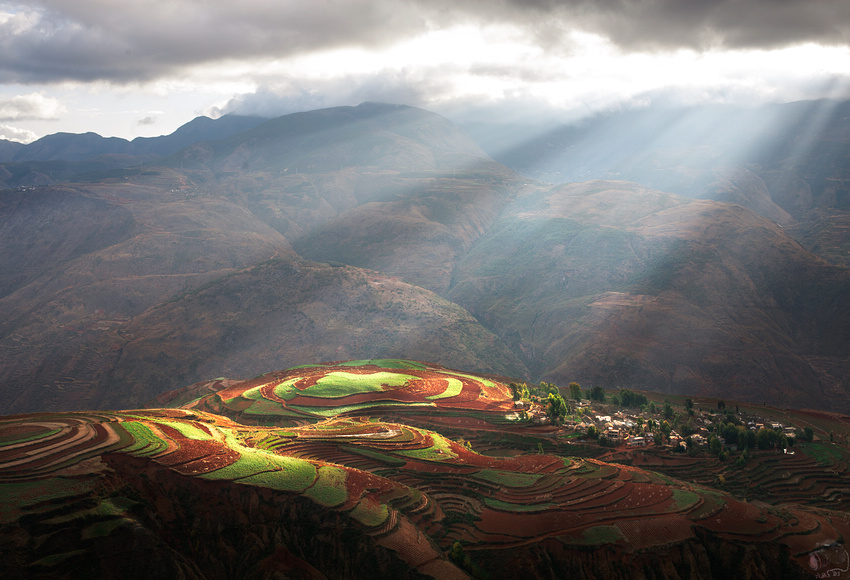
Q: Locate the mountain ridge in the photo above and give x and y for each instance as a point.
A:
(603, 281)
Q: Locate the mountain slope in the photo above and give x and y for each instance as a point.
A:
(614, 284)
(129, 282)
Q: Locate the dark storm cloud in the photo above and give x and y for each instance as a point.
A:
(696, 24)
(49, 40)
(132, 40)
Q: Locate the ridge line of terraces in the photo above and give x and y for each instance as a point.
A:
(35, 463)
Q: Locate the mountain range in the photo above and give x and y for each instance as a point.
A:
(240, 244)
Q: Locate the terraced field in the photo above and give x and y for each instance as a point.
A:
(74, 486)
(310, 392)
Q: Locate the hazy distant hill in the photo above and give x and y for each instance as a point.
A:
(384, 231)
(615, 284)
(78, 147)
(62, 156)
(788, 162)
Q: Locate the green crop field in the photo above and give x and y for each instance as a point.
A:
(370, 512)
(286, 390)
(333, 411)
(439, 451)
(824, 453)
(13, 439)
(602, 535)
(145, 442)
(508, 478)
(329, 488)
(514, 507)
(187, 429)
(377, 455)
(342, 384)
(453, 389)
(684, 499)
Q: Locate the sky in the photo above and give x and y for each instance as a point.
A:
(144, 67)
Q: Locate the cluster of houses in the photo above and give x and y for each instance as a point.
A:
(618, 427)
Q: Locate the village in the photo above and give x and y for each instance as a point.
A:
(629, 419)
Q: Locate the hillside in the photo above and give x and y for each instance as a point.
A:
(787, 162)
(384, 231)
(322, 489)
(636, 287)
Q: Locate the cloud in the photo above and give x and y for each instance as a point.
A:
(422, 88)
(694, 24)
(147, 121)
(141, 40)
(15, 134)
(29, 107)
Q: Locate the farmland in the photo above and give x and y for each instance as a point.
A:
(368, 474)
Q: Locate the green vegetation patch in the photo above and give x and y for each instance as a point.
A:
(597, 471)
(370, 512)
(684, 499)
(439, 451)
(104, 528)
(453, 390)
(108, 507)
(145, 441)
(376, 455)
(824, 453)
(343, 384)
(56, 559)
(481, 380)
(19, 496)
(266, 407)
(329, 488)
(333, 411)
(508, 478)
(24, 437)
(264, 469)
(513, 507)
(187, 430)
(286, 390)
(602, 535)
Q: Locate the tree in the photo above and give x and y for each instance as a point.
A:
(575, 391)
(742, 459)
(721, 405)
(751, 439)
(668, 411)
(556, 408)
(546, 388)
(456, 554)
(632, 399)
(808, 434)
(767, 438)
(516, 393)
(597, 393)
(714, 445)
